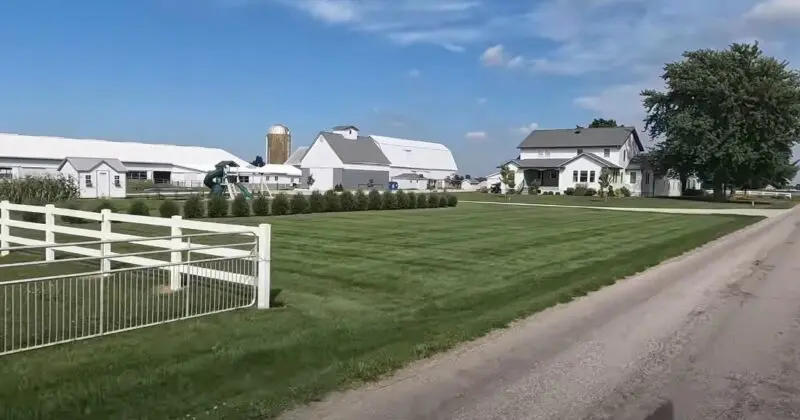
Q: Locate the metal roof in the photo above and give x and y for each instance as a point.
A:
(414, 154)
(581, 137)
(83, 164)
(297, 156)
(409, 176)
(360, 150)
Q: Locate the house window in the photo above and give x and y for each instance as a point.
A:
(580, 151)
(633, 177)
(647, 178)
(584, 176)
(117, 182)
(554, 175)
(137, 175)
(88, 179)
(606, 153)
(591, 176)
(5, 173)
(244, 179)
(276, 177)
(574, 176)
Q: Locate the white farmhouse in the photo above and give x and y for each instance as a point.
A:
(96, 178)
(561, 158)
(344, 157)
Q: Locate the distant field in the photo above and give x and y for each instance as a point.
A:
(643, 202)
(366, 293)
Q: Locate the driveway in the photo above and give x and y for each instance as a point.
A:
(716, 332)
(739, 211)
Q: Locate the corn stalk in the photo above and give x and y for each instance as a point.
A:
(38, 189)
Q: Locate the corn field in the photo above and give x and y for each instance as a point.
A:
(38, 189)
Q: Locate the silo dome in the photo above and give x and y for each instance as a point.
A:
(279, 129)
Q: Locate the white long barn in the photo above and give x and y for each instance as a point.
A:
(343, 157)
(23, 155)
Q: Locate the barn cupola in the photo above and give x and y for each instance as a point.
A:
(346, 131)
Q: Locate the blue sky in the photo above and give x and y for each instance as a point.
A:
(473, 74)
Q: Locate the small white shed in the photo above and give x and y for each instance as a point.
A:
(96, 177)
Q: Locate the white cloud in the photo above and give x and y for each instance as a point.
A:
(776, 11)
(414, 73)
(516, 62)
(526, 129)
(494, 56)
(476, 135)
(333, 11)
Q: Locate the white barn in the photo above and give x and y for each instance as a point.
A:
(344, 157)
(22, 155)
(96, 178)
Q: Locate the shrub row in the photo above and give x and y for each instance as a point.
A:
(281, 204)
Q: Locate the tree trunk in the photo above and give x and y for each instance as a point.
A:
(719, 191)
(684, 182)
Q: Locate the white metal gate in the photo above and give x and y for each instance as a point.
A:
(82, 302)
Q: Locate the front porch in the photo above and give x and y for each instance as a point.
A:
(545, 178)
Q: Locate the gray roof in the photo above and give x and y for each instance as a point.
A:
(581, 137)
(408, 175)
(361, 150)
(344, 127)
(297, 156)
(82, 164)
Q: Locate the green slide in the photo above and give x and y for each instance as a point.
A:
(245, 192)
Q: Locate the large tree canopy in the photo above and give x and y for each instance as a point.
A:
(599, 123)
(730, 117)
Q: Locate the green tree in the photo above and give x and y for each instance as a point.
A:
(729, 116)
(601, 123)
(507, 177)
(604, 180)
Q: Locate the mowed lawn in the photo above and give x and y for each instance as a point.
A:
(642, 202)
(365, 293)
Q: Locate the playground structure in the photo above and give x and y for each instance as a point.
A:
(224, 181)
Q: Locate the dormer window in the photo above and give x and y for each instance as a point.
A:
(606, 153)
(580, 152)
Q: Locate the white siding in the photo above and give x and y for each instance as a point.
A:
(96, 190)
(364, 167)
(568, 153)
(321, 155)
(412, 184)
(628, 150)
(323, 178)
(566, 178)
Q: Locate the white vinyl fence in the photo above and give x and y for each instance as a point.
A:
(83, 289)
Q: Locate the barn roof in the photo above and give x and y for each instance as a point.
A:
(415, 154)
(360, 150)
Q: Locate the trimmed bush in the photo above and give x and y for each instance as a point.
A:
(389, 201)
(402, 200)
(590, 192)
(280, 205)
(361, 201)
(452, 200)
(569, 191)
(558, 192)
(240, 206)
(103, 205)
(443, 202)
(375, 200)
(347, 201)
(71, 219)
(625, 192)
(260, 205)
(422, 201)
(168, 209)
(316, 202)
(217, 206)
(332, 201)
(299, 204)
(139, 208)
(193, 208)
(412, 200)
(433, 200)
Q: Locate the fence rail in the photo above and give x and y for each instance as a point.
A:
(153, 279)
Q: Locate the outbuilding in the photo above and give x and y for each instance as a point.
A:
(96, 177)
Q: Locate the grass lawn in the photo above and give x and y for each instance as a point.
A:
(365, 293)
(644, 202)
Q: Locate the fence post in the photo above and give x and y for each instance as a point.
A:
(49, 235)
(175, 255)
(105, 248)
(4, 232)
(263, 279)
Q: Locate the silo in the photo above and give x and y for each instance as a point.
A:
(279, 144)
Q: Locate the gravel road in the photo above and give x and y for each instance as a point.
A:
(715, 332)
